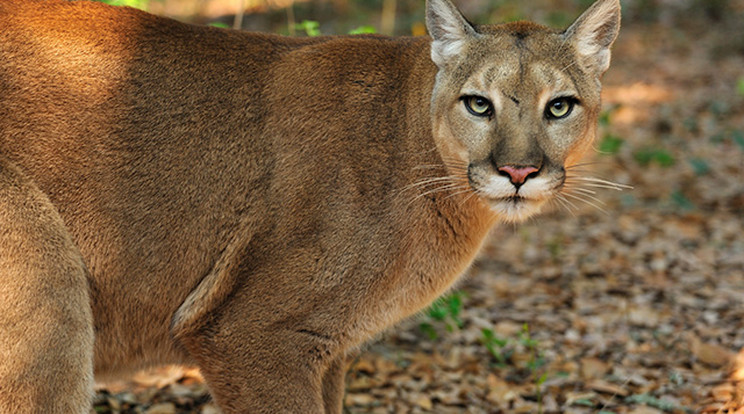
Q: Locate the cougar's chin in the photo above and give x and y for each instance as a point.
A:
(515, 209)
(511, 203)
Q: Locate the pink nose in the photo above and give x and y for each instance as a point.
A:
(517, 175)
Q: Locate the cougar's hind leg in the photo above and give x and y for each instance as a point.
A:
(46, 325)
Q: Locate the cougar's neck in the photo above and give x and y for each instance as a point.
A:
(449, 222)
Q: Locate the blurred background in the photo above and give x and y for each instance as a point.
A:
(622, 302)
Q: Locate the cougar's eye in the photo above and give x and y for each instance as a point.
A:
(478, 105)
(559, 108)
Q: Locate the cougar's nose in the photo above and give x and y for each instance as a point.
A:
(518, 174)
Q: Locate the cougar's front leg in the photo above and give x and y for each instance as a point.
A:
(259, 369)
(334, 385)
(46, 326)
(260, 352)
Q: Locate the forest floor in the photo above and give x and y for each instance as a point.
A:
(633, 307)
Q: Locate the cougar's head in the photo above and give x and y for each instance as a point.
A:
(515, 105)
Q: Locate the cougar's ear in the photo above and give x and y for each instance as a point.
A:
(594, 32)
(448, 29)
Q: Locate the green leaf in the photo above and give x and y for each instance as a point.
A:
(491, 338)
(681, 201)
(610, 144)
(311, 27)
(662, 157)
(605, 116)
(495, 346)
(690, 124)
(740, 86)
(535, 364)
(651, 401)
(139, 4)
(438, 311)
(719, 108)
(700, 166)
(220, 25)
(429, 330)
(738, 137)
(525, 338)
(363, 30)
(446, 310)
(454, 307)
(584, 402)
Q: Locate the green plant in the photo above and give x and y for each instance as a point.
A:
(659, 156)
(502, 350)
(363, 30)
(140, 4)
(583, 402)
(738, 137)
(652, 401)
(681, 201)
(445, 310)
(610, 144)
(605, 116)
(700, 166)
(535, 362)
(495, 346)
(740, 86)
(310, 27)
(555, 247)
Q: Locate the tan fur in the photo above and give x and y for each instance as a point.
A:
(255, 204)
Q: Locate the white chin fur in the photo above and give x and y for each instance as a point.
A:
(532, 193)
(512, 211)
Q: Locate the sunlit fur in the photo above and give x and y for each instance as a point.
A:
(254, 204)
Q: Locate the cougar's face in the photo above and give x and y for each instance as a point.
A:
(515, 106)
(519, 116)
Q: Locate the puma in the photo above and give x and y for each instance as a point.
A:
(257, 205)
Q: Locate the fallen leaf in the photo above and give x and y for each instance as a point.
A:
(607, 388)
(709, 353)
(593, 368)
(162, 408)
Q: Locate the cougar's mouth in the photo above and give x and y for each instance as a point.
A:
(515, 208)
(516, 199)
(509, 203)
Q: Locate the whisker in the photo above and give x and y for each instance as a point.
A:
(461, 191)
(594, 185)
(583, 164)
(589, 202)
(458, 171)
(580, 190)
(466, 199)
(612, 184)
(568, 204)
(566, 207)
(579, 170)
(429, 181)
(588, 196)
(436, 190)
